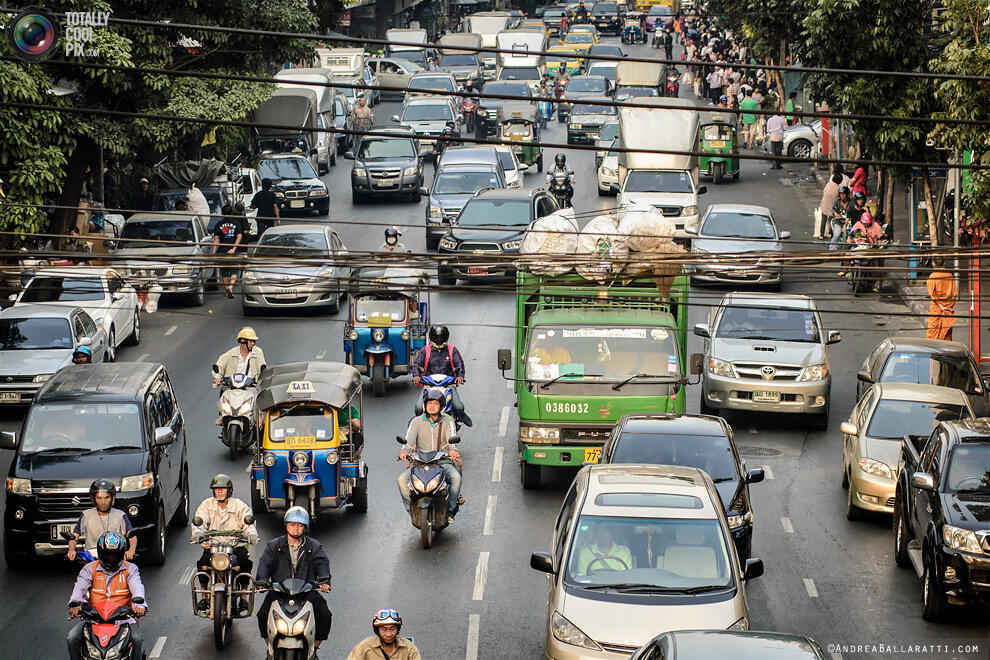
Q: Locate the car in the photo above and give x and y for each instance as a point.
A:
(604, 69)
(610, 131)
(607, 17)
(871, 439)
(492, 222)
(584, 27)
(470, 154)
(585, 120)
(608, 171)
(431, 84)
(428, 116)
(511, 166)
(579, 41)
(117, 421)
(767, 352)
(724, 236)
(105, 295)
(372, 83)
(517, 17)
(273, 281)
(38, 340)
(342, 121)
(534, 24)
(393, 72)
(736, 644)
(581, 87)
(386, 165)
(659, 16)
(487, 112)
(917, 360)
(699, 441)
(552, 18)
(608, 50)
(170, 251)
(800, 140)
(317, 81)
(639, 550)
(465, 66)
(563, 55)
(453, 186)
(296, 184)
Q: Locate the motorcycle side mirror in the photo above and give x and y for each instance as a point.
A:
(454, 439)
(349, 155)
(249, 519)
(197, 521)
(400, 439)
(138, 600)
(697, 364)
(216, 369)
(424, 191)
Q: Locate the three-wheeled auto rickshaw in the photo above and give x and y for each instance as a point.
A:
(310, 434)
(634, 27)
(717, 140)
(519, 124)
(388, 319)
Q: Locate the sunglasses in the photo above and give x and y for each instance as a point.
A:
(387, 614)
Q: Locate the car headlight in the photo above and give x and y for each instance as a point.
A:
(378, 335)
(418, 484)
(958, 538)
(737, 519)
(411, 171)
(220, 561)
(741, 624)
(689, 210)
(814, 372)
(540, 434)
(299, 627)
(225, 407)
(609, 171)
(18, 485)
(281, 625)
(279, 194)
(300, 459)
(436, 212)
(250, 276)
(332, 458)
(511, 245)
(448, 244)
(270, 460)
(326, 273)
(875, 467)
(721, 368)
(245, 408)
(317, 192)
(137, 482)
(41, 378)
(359, 171)
(180, 270)
(566, 632)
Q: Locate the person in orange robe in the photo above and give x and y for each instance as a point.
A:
(943, 292)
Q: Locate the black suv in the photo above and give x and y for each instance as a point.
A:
(607, 17)
(118, 421)
(387, 166)
(487, 122)
(698, 441)
(296, 184)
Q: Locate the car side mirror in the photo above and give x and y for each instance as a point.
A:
(864, 376)
(691, 229)
(523, 167)
(504, 359)
(8, 440)
(834, 337)
(541, 561)
(424, 191)
(702, 190)
(85, 341)
(697, 364)
(349, 155)
(614, 189)
(249, 519)
(923, 480)
(755, 476)
(849, 428)
(702, 330)
(164, 436)
(197, 521)
(753, 569)
(785, 235)
(313, 152)
(395, 118)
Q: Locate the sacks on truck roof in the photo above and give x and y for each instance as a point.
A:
(606, 248)
(645, 227)
(553, 235)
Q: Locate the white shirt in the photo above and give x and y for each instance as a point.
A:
(242, 361)
(775, 127)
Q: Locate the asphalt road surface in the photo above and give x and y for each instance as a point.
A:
(473, 595)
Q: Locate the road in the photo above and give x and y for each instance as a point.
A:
(473, 595)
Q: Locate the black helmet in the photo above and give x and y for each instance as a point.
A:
(110, 549)
(843, 190)
(223, 481)
(434, 394)
(859, 195)
(102, 486)
(560, 159)
(439, 334)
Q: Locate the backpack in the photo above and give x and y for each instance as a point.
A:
(429, 351)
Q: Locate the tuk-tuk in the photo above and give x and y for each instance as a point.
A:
(634, 27)
(718, 139)
(519, 124)
(387, 321)
(309, 453)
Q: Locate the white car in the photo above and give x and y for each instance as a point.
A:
(102, 292)
(513, 168)
(608, 172)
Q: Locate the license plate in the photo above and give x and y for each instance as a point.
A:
(58, 529)
(766, 397)
(285, 293)
(717, 143)
(386, 183)
(592, 454)
(10, 397)
(296, 204)
(301, 442)
(477, 270)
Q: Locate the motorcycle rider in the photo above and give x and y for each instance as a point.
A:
(111, 578)
(82, 355)
(439, 357)
(102, 518)
(392, 243)
(560, 167)
(246, 358)
(853, 215)
(581, 13)
(296, 555)
(839, 217)
(868, 232)
(451, 140)
(222, 511)
(386, 641)
(432, 431)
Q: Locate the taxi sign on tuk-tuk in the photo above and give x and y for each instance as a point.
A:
(300, 388)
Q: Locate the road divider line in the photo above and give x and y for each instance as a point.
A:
(490, 515)
(156, 650)
(171, 330)
(503, 422)
(767, 472)
(786, 523)
(187, 574)
(480, 576)
(497, 465)
(474, 626)
(809, 586)
(144, 356)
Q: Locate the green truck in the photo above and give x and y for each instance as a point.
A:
(586, 354)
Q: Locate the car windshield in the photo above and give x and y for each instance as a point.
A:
(601, 353)
(605, 49)
(968, 472)
(505, 157)
(34, 333)
(147, 234)
(658, 10)
(717, 131)
(415, 56)
(438, 83)
(510, 212)
(606, 70)
(300, 425)
(636, 91)
(382, 148)
(75, 426)
(463, 183)
(504, 88)
(62, 289)
(294, 244)
(578, 38)
(349, 92)
(584, 109)
(427, 112)
(605, 8)
(893, 419)
(709, 453)
(519, 73)
(610, 131)
(369, 307)
(776, 324)
(286, 168)
(669, 182)
(725, 224)
(459, 59)
(584, 84)
(932, 369)
(664, 553)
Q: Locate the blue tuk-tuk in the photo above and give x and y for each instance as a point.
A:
(387, 321)
(309, 428)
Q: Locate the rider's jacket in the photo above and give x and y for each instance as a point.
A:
(424, 434)
(121, 586)
(553, 171)
(227, 363)
(445, 360)
(232, 517)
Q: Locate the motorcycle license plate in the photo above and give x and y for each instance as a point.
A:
(10, 397)
(592, 454)
(763, 396)
(58, 529)
(296, 204)
(477, 270)
(386, 183)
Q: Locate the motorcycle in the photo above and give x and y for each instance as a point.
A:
(673, 86)
(429, 494)
(468, 109)
(866, 267)
(226, 585)
(236, 404)
(106, 630)
(291, 620)
(561, 188)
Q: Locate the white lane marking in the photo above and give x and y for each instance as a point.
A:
(809, 586)
(247, 468)
(786, 523)
(171, 330)
(490, 515)
(187, 574)
(503, 422)
(836, 656)
(144, 356)
(480, 576)
(767, 472)
(156, 650)
(321, 354)
(508, 384)
(497, 465)
(474, 625)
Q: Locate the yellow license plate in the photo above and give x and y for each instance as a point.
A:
(300, 442)
(717, 143)
(592, 454)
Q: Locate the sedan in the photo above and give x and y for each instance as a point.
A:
(871, 439)
(38, 340)
(102, 292)
(608, 171)
(729, 231)
(581, 42)
(293, 266)
(609, 50)
(513, 168)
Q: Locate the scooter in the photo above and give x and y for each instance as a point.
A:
(468, 107)
(560, 187)
(291, 620)
(236, 404)
(429, 494)
(673, 86)
(866, 266)
(226, 585)
(106, 630)
(446, 383)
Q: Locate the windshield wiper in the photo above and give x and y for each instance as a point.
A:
(618, 587)
(617, 386)
(113, 448)
(553, 380)
(62, 450)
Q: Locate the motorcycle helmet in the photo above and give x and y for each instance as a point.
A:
(866, 218)
(434, 394)
(560, 160)
(223, 481)
(83, 350)
(384, 618)
(392, 235)
(110, 549)
(297, 514)
(247, 333)
(439, 334)
(102, 486)
(859, 195)
(843, 190)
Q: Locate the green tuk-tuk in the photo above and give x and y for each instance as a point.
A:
(519, 124)
(718, 141)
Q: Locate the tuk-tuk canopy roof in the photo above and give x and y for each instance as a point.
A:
(717, 118)
(517, 110)
(329, 383)
(391, 279)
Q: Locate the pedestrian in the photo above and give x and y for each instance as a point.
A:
(830, 194)
(264, 200)
(748, 118)
(227, 236)
(943, 292)
(144, 200)
(775, 132)
(362, 115)
(791, 98)
(715, 85)
(859, 178)
(111, 180)
(668, 44)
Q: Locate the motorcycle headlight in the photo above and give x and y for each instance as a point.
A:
(411, 171)
(378, 335)
(281, 625)
(332, 458)
(245, 408)
(737, 519)
(180, 270)
(511, 245)
(741, 624)
(433, 483)
(225, 407)
(220, 561)
(448, 244)
(299, 627)
(18, 485)
(360, 171)
(436, 212)
(958, 538)
(721, 368)
(814, 372)
(566, 632)
(41, 378)
(689, 210)
(300, 459)
(137, 482)
(875, 467)
(418, 484)
(270, 460)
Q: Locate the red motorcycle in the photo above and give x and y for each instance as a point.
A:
(469, 110)
(106, 630)
(673, 85)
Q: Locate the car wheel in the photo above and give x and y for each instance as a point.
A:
(359, 496)
(135, 337)
(800, 149)
(156, 553)
(432, 243)
(248, 311)
(933, 600)
(853, 512)
(198, 297)
(258, 504)
(602, 193)
(111, 344)
(845, 474)
(356, 198)
(901, 557)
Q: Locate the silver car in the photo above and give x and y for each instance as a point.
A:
(767, 352)
(38, 340)
(726, 234)
(293, 266)
(800, 140)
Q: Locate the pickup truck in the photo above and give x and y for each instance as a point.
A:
(942, 514)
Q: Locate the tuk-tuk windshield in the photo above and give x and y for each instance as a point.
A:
(717, 132)
(512, 128)
(301, 424)
(583, 109)
(368, 307)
